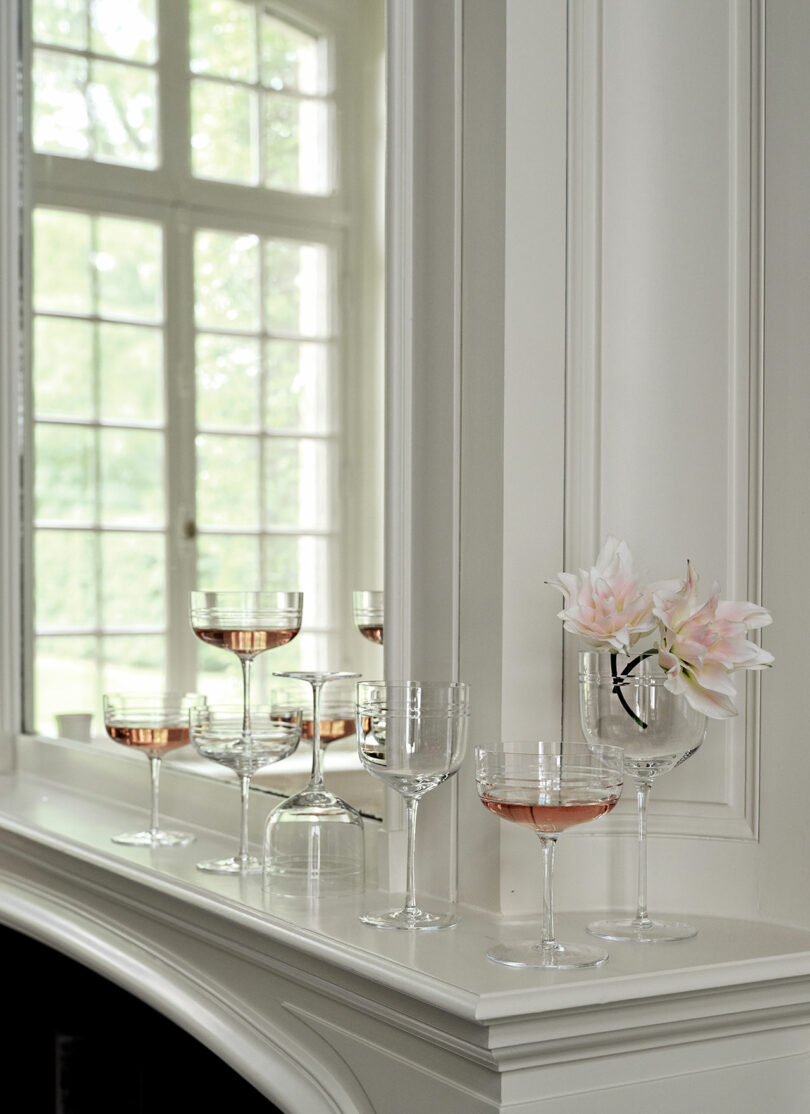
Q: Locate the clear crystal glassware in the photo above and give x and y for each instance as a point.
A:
(548, 787)
(217, 733)
(369, 615)
(314, 842)
(154, 724)
(412, 735)
(623, 702)
(247, 624)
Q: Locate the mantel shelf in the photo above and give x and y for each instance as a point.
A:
(136, 915)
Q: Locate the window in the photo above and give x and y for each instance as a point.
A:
(202, 211)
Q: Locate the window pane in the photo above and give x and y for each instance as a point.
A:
(223, 39)
(132, 663)
(226, 280)
(131, 462)
(129, 269)
(65, 474)
(123, 104)
(228, 559)
(288, 563)
(296, 288)
(63, 368)
(65, 583)
(292, 59)
(127, 30)
(227, 481)
(223, 132)
(296, 386)
(297, 144)
(62, 22)
(62, 248)
(296, 482)
(60, 123)
(133, 580)
(227, 381)
(130, 373)
(66, 680)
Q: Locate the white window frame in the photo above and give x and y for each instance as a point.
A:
(345, 221)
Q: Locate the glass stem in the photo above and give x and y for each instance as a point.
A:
(154, 770)
(244, 790)
(411, 908)
(246, 666)
(642, 795)
(316, 777)
(548, 844)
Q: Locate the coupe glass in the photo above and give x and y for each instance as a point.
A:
(314, 841)
(369, 615)
(247, 624)
(217, 733)
(623, 702)
(153, 724)
(412, 735)
(548, 788)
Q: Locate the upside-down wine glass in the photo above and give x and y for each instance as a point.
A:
(153, 724)
(623, 702)
(314, 840)
(412, 735)
(369, 615)
(217, 733)
(548, 788)
(247, 624)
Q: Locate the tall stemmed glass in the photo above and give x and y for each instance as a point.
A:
(548, 788)
(369, 615)
(623, 702)
(153, 724)
(315, 839)
(247, 624)
(217, 733)
(413, 736)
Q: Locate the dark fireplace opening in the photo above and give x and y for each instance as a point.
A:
(78, 1044)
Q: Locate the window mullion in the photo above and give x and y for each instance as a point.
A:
(180, 453)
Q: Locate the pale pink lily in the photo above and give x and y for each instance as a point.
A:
(606, 605)
(701, 646)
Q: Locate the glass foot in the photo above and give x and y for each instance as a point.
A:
(531, 953)
(409, 919)
(641, 930)
(154, 838)
(234, 865)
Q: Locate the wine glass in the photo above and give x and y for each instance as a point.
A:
(412, 735)
(247, 624)
(623, 702)
(314, 841)
(217, 733)
(153, 724)
(548, 788)
(369, 615)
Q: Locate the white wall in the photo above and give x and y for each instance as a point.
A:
(633, 320)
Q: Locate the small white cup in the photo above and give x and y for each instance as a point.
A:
(74, 725)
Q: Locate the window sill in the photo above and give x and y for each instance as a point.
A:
(318, 1010)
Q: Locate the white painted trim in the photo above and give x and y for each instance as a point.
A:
(11, 308)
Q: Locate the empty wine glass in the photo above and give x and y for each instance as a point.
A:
(247, 624)
(217, 733)
(153, 724)
(314, 841)
(412, 735)
(369, 615)
(548, 788)
(623, 702)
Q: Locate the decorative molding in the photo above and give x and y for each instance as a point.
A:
(733, 810)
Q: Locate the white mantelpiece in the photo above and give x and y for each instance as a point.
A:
(323, 1014)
